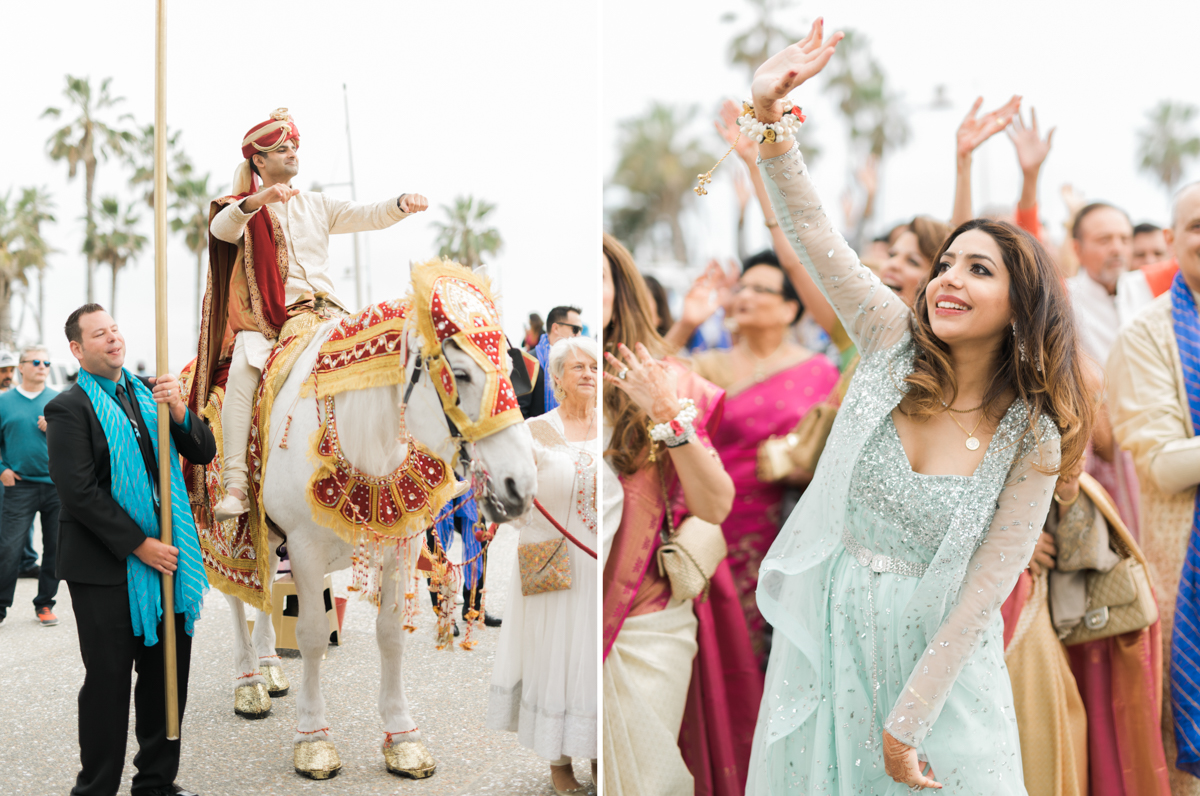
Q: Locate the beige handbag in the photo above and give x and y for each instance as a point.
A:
(1120, 600)
(689, 555)
(544, 566)
(800, 449)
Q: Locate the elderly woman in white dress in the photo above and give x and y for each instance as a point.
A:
(544, 680)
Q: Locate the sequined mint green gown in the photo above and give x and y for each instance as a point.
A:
(885, 585)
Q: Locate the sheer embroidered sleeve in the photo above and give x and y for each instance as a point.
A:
(873, 316)
(991, 574)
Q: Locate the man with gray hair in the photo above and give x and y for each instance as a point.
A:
(28, 490)
(1154, 401)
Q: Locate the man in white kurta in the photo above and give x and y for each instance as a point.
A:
(305, 220)
(1103, 241)
(1152, 419)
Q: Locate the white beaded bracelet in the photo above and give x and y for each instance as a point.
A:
(679, 430)
(782, 130)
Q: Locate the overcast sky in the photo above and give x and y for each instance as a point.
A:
(445, 99)
(1092, 69)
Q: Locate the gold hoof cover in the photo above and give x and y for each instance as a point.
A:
(252, 701)
(409, 759)
(316, 759)
(277, 682)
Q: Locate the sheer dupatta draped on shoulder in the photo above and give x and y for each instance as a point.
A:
(984, 549)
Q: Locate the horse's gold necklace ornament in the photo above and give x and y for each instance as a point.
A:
(972, 442)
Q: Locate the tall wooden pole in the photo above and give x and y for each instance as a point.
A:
(160, 332)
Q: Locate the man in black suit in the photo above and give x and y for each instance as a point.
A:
(96, 536)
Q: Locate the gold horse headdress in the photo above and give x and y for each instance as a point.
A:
(453, 303)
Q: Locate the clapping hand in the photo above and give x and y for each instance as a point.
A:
(647, 382)
(974, 131)
(790, 67)
(701, 301)
(1032, 149)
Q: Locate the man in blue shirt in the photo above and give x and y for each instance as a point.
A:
(562, 322)
(28, 490)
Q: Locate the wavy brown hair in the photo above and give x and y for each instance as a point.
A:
(1051, 379)
(630, 323)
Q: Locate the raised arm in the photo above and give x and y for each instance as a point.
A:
(971, 133)
(872, 315)
(1032, 150)
(353, 217)
(990, 576)
(810, 295)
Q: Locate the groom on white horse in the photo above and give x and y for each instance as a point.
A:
(268, 262)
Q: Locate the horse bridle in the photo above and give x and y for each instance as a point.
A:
(472, 470)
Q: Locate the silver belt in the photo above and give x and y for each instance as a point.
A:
(877, 563)
(881, 563)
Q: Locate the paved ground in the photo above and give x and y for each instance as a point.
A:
(224, 755)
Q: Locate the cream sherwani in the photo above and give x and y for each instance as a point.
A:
(1151, 419)
(306, 220)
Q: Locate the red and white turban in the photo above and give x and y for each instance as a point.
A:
(262, 138)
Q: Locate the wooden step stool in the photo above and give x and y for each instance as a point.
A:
(285, 609)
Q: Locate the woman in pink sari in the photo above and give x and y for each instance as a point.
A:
(680, 682)
(770, 383)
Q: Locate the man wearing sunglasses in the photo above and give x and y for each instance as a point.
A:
(561, 323)
(28, 490)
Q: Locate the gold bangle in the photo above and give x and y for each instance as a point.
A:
(771, 223)
(1064, 504)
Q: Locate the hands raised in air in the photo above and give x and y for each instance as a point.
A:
(727, 126)
(789, 68)
(974, 131)
(1032, 149)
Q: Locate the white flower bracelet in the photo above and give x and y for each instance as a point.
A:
(782, 130)
(679, 430)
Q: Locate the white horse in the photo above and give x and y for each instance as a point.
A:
(368, 422)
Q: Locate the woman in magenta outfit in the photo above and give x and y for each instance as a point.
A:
(770, 383)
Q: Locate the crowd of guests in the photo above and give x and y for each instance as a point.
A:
(682, 682)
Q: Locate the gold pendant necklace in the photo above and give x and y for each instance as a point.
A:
(972, 441)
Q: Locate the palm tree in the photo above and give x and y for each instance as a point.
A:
(116, 241)
(140, 157)
(659, 170)
(21, 248)
(34, 209)
(192, 197)
(865, 98)
(1167, 142)
(465, 239)
(756, 43)
(86, 140)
